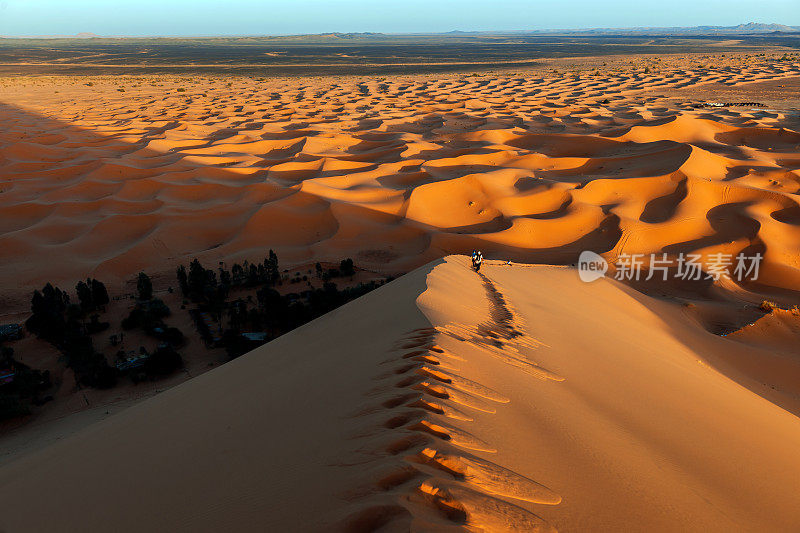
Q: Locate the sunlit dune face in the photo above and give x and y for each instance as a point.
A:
(392, 172)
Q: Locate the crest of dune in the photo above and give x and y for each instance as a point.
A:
(517, 399)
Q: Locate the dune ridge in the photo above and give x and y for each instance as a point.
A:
(392, 172)
(429, 424)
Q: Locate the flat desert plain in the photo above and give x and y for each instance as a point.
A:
(518, 398)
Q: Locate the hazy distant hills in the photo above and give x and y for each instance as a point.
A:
(751, 28)
(741, 29)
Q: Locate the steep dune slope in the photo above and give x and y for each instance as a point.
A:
(518, 399)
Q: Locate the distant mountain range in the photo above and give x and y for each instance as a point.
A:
(742, 29)
(751, 28)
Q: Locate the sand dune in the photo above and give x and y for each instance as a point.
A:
(518, 399)
(468, 403)
(393, 172)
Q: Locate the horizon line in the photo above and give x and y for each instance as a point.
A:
(92, 35)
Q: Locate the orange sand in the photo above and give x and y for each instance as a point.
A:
(393, 173)
(518, 400)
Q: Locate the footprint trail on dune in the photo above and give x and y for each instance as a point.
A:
(436, 472)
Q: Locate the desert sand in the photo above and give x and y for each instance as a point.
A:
(517, 399)
(116, 175)
(520, 399)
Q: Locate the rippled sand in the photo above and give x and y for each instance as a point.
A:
(392, 172)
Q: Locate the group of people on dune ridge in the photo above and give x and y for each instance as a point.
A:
(477, 259)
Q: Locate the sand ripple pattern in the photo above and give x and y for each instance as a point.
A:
(393, 173)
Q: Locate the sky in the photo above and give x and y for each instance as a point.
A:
(274, 17)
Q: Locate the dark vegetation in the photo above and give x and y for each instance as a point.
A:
(65, 325)
(251, 323)
(148, 314)
(259, 313)
(20, 385)
(69, 327)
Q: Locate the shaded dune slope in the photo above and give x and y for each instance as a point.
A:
(444, 401)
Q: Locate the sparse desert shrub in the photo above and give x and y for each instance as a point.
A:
(146, 315)
(163, 361)
(25, 389)
(346, 267)
(144, 287)
(95, 326)
(768, 306)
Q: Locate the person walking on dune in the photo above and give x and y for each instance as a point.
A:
(476, 262)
